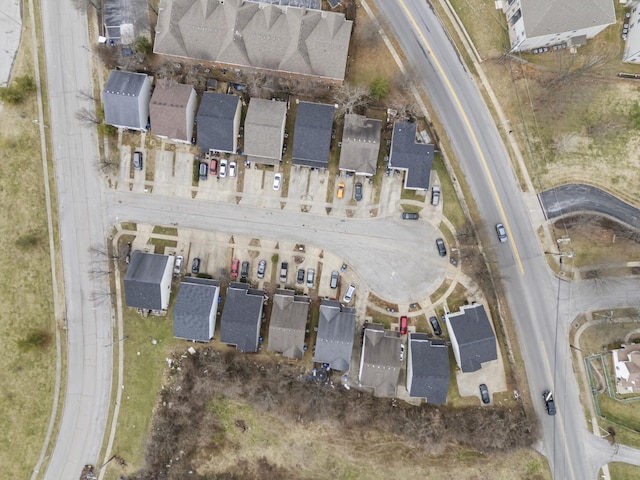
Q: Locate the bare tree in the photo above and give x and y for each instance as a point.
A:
(85, 5)
(349, 97)
(87, 117)
(86, 94)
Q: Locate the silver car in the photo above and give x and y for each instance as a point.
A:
(502, 233)
(262, 266)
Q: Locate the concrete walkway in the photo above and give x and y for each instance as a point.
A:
(10, 31)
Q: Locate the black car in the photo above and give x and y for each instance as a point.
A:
(358, 191)
(262, 266)
(549, 403)
(244, 271)
(435, 325)
(484, 394)
(410, 216)
(442, 250)
(195, 266)
(300, 278)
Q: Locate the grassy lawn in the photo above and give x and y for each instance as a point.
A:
(450, 204)
(161, 244)
(623, 471)
(165, 230)
(27, 330)
(144, 367)
(597, 338)
(627, 414)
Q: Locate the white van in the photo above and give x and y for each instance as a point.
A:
(349, 293)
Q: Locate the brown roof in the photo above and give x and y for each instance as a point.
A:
(168, 109)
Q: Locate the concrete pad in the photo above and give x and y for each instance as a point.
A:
(492, 374)
(124, 173)
(163, 183)
(183, 173)
(10, 30)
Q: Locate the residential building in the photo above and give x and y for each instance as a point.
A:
(288, 323)
(336, 329)
(472, 337)
(147, 283)
(126, 98)
(194, 315)
(411, 156)
(264, 130)
(172, 110)
(428, 372)
(626, 362)
(218, 122)
(543, 23)
(360, 145)
(241, 317)
(631, 53)
(288, 41)
(380, 360)
(312, 135)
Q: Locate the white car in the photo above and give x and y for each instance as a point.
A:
(177, 267)
(277, 180)
(349, 293)
(311, 275)
(232, 169)
(223, 168)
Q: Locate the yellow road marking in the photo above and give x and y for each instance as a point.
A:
(468, 124)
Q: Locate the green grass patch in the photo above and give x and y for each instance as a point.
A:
(411, 208)
(451, 207)
(458, 298)
(624, 471)
(415, 195)
(626, 414)
(441, 290)
(165, 230)
(129, 226)
(161, 244)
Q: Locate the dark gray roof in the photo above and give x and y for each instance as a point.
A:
(121, 97)
(142, 280)
(240, 324)
(336, 328)
(215, 121)
(406, 153)
(430, 368)
(474, 335)
(192, 312)
(312, 134)
(380, 361)
(288, 323)
(360, 144)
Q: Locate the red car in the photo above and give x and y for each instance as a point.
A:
(403, 325)
(234, 268)
(213, 167)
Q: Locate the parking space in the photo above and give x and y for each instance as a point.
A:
(390, 194)
(125, 169)
(298, 184)
(183, 173)
(491, 374)
(163, 181)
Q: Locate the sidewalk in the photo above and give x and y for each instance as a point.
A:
(10, 30)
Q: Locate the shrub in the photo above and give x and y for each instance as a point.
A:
(379, 88)
(18, 91)
(34, 340)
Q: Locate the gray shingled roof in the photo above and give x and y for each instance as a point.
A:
(474, 335)
(312, 134)
(168, 109)
(247, 34)
(430, 364)
(142, 280)
(380, 361)
(120, 98)
(336, 329)
(547, 17)
(215, 119)
(241, 316)
(288, 323)
(191, 316)
(316, 4)
(360, 144)
(406, 153)
(264, 130)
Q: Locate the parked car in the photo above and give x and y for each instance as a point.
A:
(195, 266)
(137, 160)
(284, 268)
(232, 169)
(484, 394)
(502, 233)
(177, 266)
(300, 279)
(401, 351)
(244, 271)
(340, 192)
(358, 192)
(335, 276)
(435, 325)
(348, 295)
(223, 168)
(234, 268)
(213, 167)
(435, 195)
(403, 325)
(549, 403)
(410, 216)
(311, 275)
(262, 266)
(204, 170)
(442, 250)
(277, 180)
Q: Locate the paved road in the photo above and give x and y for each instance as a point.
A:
(79, 197)
(575, 197)
(541, 305)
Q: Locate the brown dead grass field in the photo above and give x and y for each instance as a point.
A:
(27, 377)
